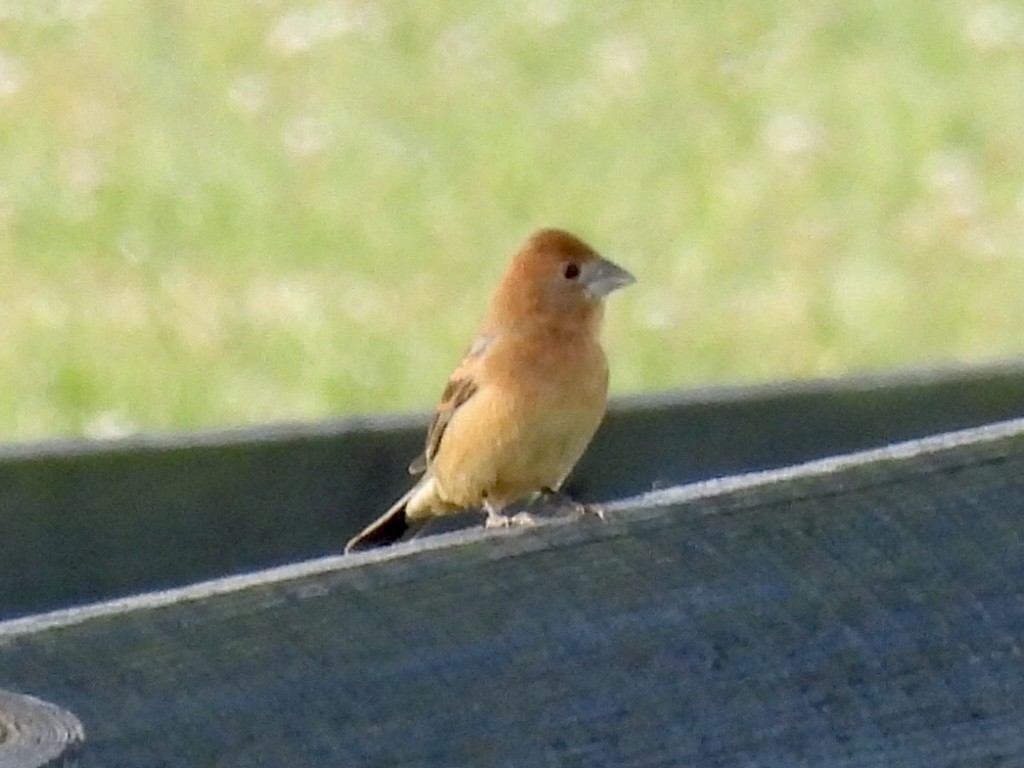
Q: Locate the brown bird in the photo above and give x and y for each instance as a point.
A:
(527, 398)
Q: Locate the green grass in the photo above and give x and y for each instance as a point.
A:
(225, 213)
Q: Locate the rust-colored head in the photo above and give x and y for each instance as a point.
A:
(555, 276)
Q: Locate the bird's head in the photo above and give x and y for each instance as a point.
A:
(557, 275)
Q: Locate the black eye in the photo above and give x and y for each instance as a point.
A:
(571, 271)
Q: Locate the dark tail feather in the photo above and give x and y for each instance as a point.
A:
(386, 529)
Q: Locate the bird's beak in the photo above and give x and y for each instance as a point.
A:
(601, 277)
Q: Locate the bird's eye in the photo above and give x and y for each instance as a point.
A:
(571, 271)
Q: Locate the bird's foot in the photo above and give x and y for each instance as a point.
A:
(498, 520)
(524, 519)
(549, 505)
(555, 504)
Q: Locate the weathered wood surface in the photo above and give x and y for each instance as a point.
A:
(35, 732)
(857, 611)
(84, 521)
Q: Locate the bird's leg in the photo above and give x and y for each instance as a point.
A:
(494, 517)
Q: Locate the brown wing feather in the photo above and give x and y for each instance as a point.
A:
(455, 394)
(459, 389)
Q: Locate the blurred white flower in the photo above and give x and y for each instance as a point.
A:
(73, 10)
(109, 425)
(547, 13)
(81, 171)
(305, 137)
(300, 31)
(995, 27)
(951, 176)
(50, 12)
(620, 62)
(660, 312)
(283, 302)
(12, 75)
(792, 138)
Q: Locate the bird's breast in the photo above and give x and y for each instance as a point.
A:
(525, 428)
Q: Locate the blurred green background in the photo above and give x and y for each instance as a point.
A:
(224, 213)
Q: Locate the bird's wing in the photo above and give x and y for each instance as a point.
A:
(461, 386)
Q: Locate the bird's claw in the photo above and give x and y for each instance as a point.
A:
(523, 518)
(498, 520)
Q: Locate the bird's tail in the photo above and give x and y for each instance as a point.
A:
(386, 529)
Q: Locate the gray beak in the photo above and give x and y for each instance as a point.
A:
(601, 277)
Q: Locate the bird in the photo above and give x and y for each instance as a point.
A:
(527, 397)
